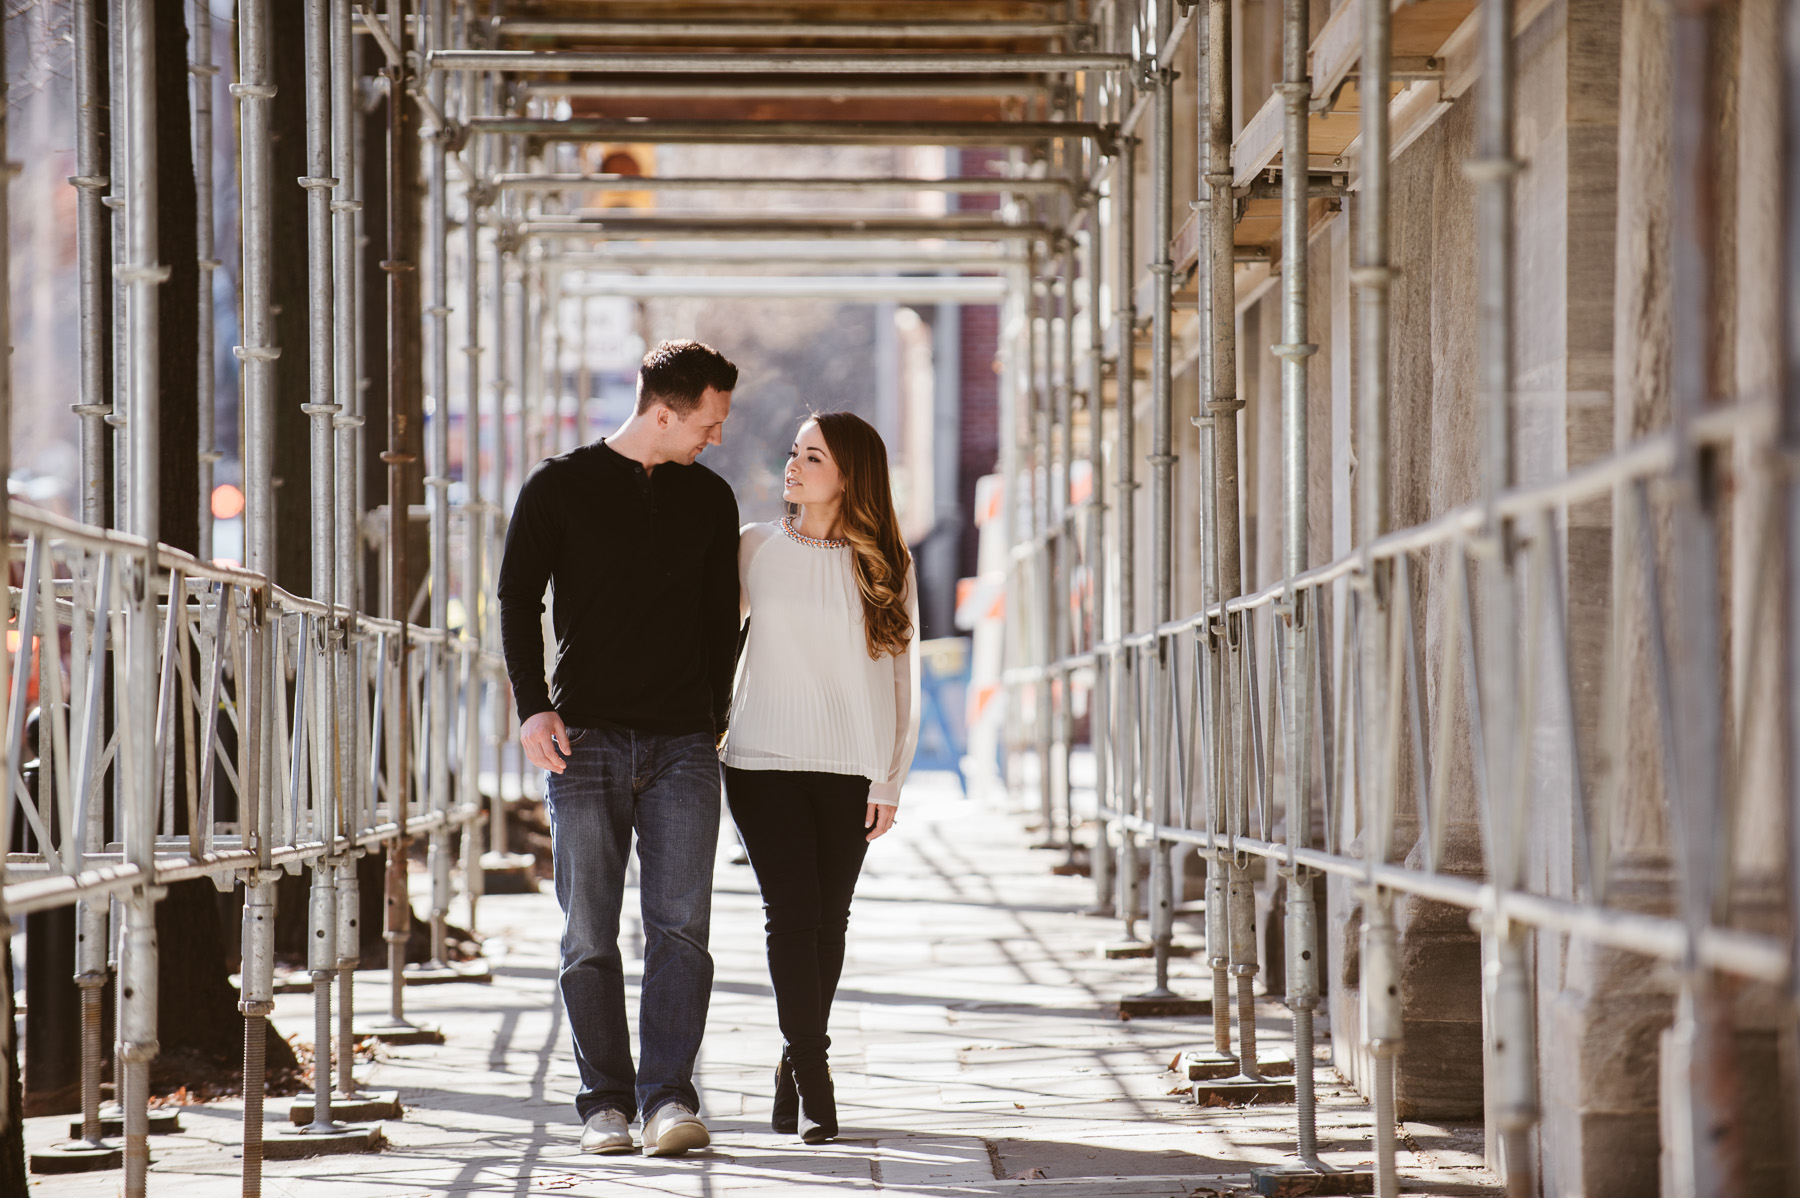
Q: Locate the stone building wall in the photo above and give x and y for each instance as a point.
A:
(1593, 320)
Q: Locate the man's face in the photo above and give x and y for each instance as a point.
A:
(705, 425)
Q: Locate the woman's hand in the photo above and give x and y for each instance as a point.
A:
(879, 819)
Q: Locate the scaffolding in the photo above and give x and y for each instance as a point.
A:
(1306, 724)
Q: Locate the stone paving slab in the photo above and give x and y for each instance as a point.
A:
(975, 1049)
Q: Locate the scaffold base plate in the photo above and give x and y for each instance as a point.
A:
(508, 873)
(1240, 1091)
(360, 1108)
(1149, 1006)
(1215, 1066)
(401, 1033)
(343, 1138)
(78, 1157)
(1295, 1180)
(1127, 950)
(112, 1123)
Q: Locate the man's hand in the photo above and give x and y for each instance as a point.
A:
(546, 741)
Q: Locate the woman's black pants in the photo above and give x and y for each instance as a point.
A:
(806, 839)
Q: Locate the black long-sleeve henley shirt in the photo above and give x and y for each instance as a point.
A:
(643, 568)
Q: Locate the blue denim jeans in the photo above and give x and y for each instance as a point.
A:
(666, 788)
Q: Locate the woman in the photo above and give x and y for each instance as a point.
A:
(824, 720)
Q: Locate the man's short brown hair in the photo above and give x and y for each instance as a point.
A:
(676, 373)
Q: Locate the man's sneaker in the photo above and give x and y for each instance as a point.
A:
(607, 1132)
(672, 1130)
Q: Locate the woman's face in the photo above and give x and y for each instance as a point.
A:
(811, 476)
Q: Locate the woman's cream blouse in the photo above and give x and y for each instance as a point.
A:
(808, 696)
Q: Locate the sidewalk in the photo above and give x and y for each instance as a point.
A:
(973, 1050)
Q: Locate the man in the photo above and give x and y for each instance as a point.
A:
(640, 546)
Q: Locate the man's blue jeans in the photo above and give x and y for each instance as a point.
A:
(667, 789)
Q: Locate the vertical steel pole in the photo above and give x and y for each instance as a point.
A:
(1708, 1147)
(141, 276)
(1066, 553)
(254, 92)
(1509, 982)
(475, 508)
(1223, 407)
(1383, 1026)
(1789, 433)
(1125, 317)
(396, 929)
(1162, 504)
(322, 408)
(1045, 510)
(118, 138)
(9, 1058)
(1302, 972)
(346, 377)
(1099, 719)
(258, 1001)
(437, 362)
(93, 241)
(204, 72)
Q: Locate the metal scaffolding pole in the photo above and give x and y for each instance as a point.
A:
(752, 132)
(1384, 1028)
(322, 408)
(1788, 499)
(254, 91)
(397, 925)
(437, 482)
(1223, 407)
(1067, 548)
(1302, 919)
(204, 71)
(816, 87)
(92, 240)
(1707, 1145)
(8, 1060)
(956, 186)
(658, 31)
(1100, 861)
(1125, 319)
(508, 296)
(778, 228)
(753, 62)
(346, 378)
(1044, 509)
(1162, 501)
(117, 140)
(475, 518)
(93, 243)
(141, 275)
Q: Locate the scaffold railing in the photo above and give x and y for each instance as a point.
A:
(171, 719)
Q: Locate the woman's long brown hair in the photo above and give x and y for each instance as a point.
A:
(879, 557)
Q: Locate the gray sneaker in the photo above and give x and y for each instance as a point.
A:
(607, 1132)
(672, 1130)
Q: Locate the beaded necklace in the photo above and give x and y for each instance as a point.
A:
(787, 526)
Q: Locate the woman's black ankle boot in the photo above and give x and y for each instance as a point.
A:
(818, 1104)
(785, 1118)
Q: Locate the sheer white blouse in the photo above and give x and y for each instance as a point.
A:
(808, 697)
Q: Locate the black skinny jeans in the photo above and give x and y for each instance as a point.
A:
(806, 839)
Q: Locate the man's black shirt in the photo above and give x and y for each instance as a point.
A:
(644, 568)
